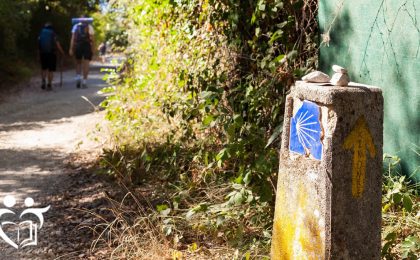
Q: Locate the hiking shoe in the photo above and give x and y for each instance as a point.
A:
(84, 83)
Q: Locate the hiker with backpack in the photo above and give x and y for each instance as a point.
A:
(47, 45)
(82, 47)
(102, 51)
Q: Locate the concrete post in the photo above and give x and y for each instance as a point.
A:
(328, 202)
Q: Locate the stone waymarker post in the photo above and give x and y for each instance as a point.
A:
(328, 203)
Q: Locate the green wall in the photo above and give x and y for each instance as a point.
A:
(379, 42)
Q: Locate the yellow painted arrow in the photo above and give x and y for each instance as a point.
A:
(359, 140)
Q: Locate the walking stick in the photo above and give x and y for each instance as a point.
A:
(61, 71)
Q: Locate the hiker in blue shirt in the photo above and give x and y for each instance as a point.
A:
(47, 45)
(82, 47)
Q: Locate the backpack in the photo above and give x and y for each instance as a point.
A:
(82, 33)
(102, 48)
(47, 41)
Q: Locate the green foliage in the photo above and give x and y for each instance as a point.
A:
(400, 210)
(200, 104)
(109, 28)
(14, 24)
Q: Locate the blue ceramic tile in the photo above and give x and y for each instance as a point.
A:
(305, 131)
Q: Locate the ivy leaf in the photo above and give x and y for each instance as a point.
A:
(397, 198)
(407, 203)
(208, 120)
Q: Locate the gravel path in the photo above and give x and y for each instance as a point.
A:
(44, 141)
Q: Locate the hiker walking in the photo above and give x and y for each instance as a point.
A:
(47, 45)
(81, 46)
(102, 51)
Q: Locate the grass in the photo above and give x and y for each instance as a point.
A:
(147, 224)
(140, 231)
(163, 216)
(134, 233)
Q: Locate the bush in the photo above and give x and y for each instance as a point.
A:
(217, 72)
(197, 112)
(199, 106)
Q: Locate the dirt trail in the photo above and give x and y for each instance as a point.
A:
(40, 132)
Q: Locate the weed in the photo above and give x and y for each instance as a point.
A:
(400, 213)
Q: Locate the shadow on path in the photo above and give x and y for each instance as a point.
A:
(40, 131)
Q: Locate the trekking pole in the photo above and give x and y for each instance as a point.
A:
(61, 70)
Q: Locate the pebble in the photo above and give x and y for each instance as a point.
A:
(316, 77)
(339, 69)
(340, 79)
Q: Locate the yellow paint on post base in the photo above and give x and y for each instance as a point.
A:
(358, 140)
(298, 234)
